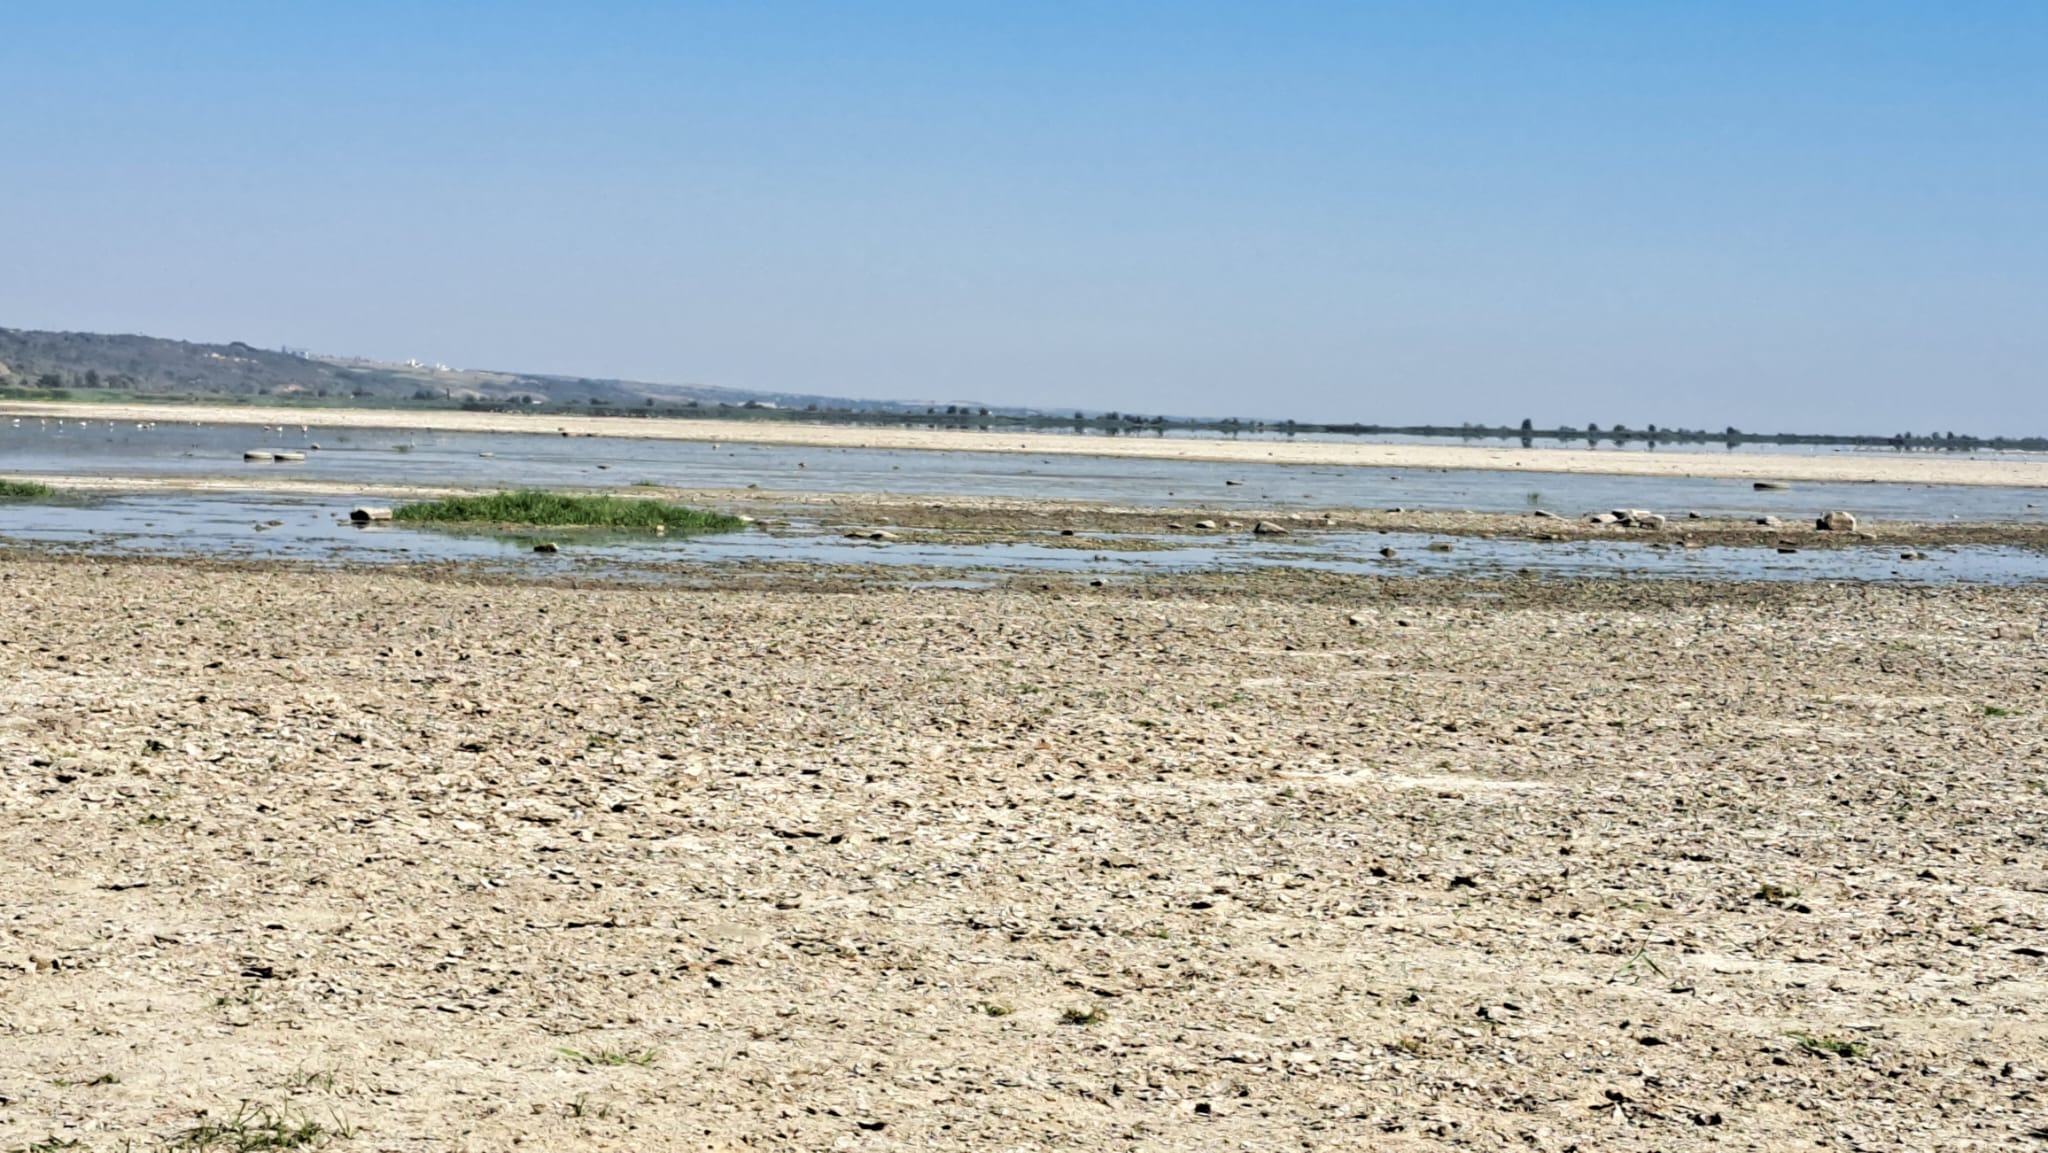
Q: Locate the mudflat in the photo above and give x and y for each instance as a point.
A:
(415, 862)
(1852, 467)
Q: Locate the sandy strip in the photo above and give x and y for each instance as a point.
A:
(1843, 468)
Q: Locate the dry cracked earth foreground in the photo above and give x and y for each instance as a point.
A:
(371, 861)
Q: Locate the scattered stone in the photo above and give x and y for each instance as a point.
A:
(1389, 553)
(1268, 528)
(1603, 518)
(1770, 486)
(1544, 514)
(547, 546)
(1205, 524)
(364, 514)
(1440, 546)
(1837, 521)
(871, 534)
(1770, 522)
(1916, 554)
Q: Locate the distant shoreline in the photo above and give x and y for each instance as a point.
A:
(1858, 469)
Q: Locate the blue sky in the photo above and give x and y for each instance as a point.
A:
(1777, 215)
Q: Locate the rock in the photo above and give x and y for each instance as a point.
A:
(1916, 554)
(1544, 514)
(1648, 520)
(287, 456)
(1786, 548)
(538, 811)
(365, 514)
(872, 534)
(1439, 546)
(1837, 521)
(1232, 483)
(1694, 516)
(1268, 528)
(1769, 521)
(1770, 486)
(1389, 553)
(547, 546)
(254, 455)
(1205, 524)
(1603, 518)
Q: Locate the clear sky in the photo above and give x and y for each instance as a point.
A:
(1780, 215)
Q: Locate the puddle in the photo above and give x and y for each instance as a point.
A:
(316, 529)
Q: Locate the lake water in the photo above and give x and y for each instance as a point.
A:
(531, 460)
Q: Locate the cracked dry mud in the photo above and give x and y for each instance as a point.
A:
(1264, 863)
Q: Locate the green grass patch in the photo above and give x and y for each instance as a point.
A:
(561, 510)
(25, 490)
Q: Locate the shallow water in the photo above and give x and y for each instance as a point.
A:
(266, 526)
(534, 460)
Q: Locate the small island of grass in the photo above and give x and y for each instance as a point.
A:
(25, 490)
(560, 510)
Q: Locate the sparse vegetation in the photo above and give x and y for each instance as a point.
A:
(1996, 711)
(252, 1129)
(1094, 1015)
(562, 510)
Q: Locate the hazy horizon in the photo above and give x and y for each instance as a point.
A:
(1826, 219)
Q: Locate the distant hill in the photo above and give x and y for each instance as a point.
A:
(90, 362)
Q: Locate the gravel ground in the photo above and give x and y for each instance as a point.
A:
(1261, 862)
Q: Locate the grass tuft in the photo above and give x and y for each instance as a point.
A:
(562, 510)
(252, 1130)
(640, 1057)
(1092, 1016)
(25, 490)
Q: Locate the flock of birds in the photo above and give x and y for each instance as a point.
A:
(61, 422)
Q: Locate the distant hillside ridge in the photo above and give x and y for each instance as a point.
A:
(90, 362)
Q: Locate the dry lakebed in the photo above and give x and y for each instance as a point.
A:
(411, 860)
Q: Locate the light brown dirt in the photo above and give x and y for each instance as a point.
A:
(1316, 862)
(1850, 467)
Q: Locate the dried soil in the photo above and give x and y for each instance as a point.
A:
(1264, 862)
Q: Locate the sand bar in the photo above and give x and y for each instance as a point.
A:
(2023, 472)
